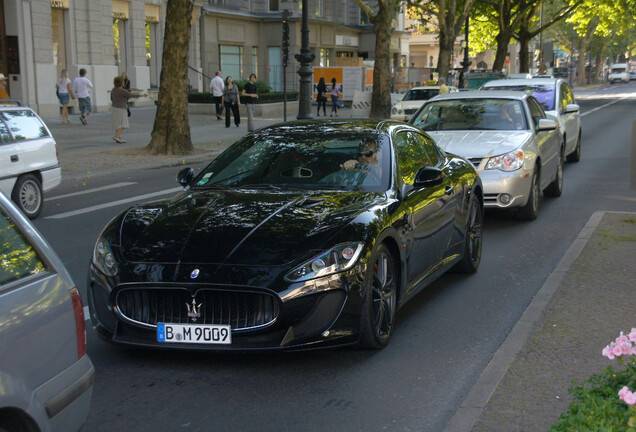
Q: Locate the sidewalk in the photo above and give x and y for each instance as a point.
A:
(89, 150)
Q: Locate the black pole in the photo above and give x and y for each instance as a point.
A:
(466, 63)
(306, 71)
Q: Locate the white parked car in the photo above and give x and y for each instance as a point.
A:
(29, 163)
(515, 146)
(619, 72)
(556, 98)
(413, 99)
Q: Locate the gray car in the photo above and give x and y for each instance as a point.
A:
(46, 378)
(515, 146)
(556, 98)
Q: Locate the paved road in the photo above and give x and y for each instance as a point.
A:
(444, 338)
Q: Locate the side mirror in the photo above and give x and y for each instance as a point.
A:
(185, 176)
(546, 125)
(571, 108)
(428, 176)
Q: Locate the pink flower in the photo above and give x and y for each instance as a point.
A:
(622, 392)
(630, 398)
(607, 352)
(617, 350)
(622, 339)
(632, 335)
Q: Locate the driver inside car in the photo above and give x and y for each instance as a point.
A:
(363, 171)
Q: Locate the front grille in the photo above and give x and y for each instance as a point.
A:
(490, 198)
(475, 161)
(241, 310)
(410, 111)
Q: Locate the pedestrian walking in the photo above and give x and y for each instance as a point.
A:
(119, 98)
(335, 96)
(250, 93)
(64, 94)
(231, 102)
(4, 94)
(126, 86)
(81, 84)
(443, 88)
(322, 96)
(216, 87)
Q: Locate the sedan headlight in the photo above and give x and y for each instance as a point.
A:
(103, 258)
(509, 162)
(394, 110)
(337, 259)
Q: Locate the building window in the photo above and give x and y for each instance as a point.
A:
(325, 57)
(255, 60)
(273, 5)
(119, 41)
(319, 5)
(230, 61)
(59, 39)
(364, 18)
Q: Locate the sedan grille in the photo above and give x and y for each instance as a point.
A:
(410, 111)
(241, 310)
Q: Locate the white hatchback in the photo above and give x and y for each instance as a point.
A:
(29, 162)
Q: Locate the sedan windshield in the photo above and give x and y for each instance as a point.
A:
(544, 93)
(472, 114)
(322, 159)
(421, 94)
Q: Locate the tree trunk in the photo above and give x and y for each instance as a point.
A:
(524, 57)
(446, 45)
(381, 95)
(171, 130)
(503, 39)
(582, 80)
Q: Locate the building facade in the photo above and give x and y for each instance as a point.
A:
(40, 38)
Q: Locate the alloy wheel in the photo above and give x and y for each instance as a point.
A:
(383, 292)
(30, 198)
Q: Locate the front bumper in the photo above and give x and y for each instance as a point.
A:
(317, 313)
(505, 189)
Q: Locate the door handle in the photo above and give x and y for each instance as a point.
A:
(449, 190)
(14, 158)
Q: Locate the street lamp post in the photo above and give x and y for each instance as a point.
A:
(305, 71)
(466, 63)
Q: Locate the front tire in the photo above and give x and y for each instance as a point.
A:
(27, 194)
(575, 156)
(472, 238)
(530, 211)
(555, 188)
(378, 310)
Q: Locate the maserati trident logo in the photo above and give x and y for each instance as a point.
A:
(194, 274)
(194, 310)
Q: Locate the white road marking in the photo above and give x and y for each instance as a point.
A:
(113, 204)
(603, 106)
(87, 191)
(87, 314)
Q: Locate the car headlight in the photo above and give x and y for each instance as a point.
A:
(394, 110)
(337, 259)
(508, 162)
(103, 258)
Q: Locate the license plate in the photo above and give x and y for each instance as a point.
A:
(194, 333)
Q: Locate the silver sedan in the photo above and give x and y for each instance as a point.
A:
(515, 146)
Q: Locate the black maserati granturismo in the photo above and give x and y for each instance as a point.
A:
(300, 235)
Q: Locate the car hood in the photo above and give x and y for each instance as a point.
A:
(415, 104)
(473, 144)
(238, 227)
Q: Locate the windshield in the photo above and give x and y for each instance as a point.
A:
(544, 93)
(618, 70)
(472, 114)
(326, 160)
(421, 94)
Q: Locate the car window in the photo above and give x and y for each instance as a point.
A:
(411, 155)
(472, 114)
(18, 259)
(24, 125)
(4, 134)
(421, 94)
(536, 111)
(321, 160)
(544, 93)
(430, 149)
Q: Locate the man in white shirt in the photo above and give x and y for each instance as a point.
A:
(216, 88)
(81, 84)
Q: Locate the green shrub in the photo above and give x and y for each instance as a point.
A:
(596, 405)
(261, 86)
(207, 98)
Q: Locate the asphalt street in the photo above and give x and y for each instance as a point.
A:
(443, 339)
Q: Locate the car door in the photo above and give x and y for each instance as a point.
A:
(429, 210)
(548, 144)
(570, 120)
(10, 165)
(35, 149)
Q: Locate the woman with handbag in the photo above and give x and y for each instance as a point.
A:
(322, 96)
(231, 102)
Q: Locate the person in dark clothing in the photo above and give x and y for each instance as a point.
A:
(322, 96)
(231, 102)
(124, 76)
(250, 93)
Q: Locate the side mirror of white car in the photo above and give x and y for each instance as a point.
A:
(571, 108)
(546, 125)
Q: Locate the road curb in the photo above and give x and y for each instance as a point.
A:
(483, 389)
